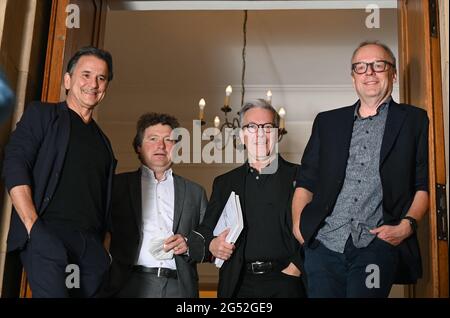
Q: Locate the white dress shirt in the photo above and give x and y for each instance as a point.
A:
(158, 198)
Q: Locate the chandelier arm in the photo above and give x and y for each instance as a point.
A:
(236, 123)
(227, 122)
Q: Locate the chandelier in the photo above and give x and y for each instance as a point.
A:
(234, 123)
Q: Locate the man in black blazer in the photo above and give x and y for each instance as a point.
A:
(58, 169)
(154, 212)
(265, 261)
(363, 186)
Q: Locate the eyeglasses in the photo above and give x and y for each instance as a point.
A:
(377, 66)
(253, 128)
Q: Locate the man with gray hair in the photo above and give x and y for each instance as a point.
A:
(363, 186)
(265, 261)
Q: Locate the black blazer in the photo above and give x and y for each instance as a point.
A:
(190, 205)
(403, 171)
(35, 156)
(234, 180)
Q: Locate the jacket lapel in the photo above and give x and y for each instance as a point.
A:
(180, 189)
(394, 121)
(287, 187)
(64, 131)
(134, 181)
(238, 186)
(343, 135)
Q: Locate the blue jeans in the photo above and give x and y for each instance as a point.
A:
(358, 272)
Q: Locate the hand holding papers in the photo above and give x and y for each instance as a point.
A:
(231, 218)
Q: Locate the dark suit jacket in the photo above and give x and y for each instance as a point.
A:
(235, 181)
(403, 171)
(190, 206)
(35, 156)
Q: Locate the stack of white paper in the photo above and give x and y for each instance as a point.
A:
(231, 218)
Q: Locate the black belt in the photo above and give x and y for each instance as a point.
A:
(264, 267)
(158, 271)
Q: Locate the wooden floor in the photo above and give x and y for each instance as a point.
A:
(208, 290)
(208, 294)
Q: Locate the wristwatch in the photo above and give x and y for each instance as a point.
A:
(412, 222)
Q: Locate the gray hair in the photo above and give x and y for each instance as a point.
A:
(259, 103)
(378, 43)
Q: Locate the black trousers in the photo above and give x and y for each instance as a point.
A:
(270, 285)
(62, 262)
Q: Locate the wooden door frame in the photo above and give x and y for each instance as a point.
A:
(433, 104)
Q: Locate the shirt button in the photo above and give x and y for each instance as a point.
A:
(351, 220)
(359, 181)
(367, 131)
(362, 163)
(257, 177)
(356, 200)
(365, 147)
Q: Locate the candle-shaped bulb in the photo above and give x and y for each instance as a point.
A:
(228, 92)
(282, 113)
(269, 96)
(216, 121)
(201, 106)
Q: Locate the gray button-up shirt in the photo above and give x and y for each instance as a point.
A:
(359, 207)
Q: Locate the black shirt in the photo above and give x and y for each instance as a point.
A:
(263, 219)
(80, 197)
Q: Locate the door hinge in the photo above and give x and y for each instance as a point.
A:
(432, 7)
(441, 210)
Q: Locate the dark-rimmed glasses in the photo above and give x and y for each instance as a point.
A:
(377, 66)
(253, 128)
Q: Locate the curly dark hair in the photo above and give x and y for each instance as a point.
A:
(152, 119)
